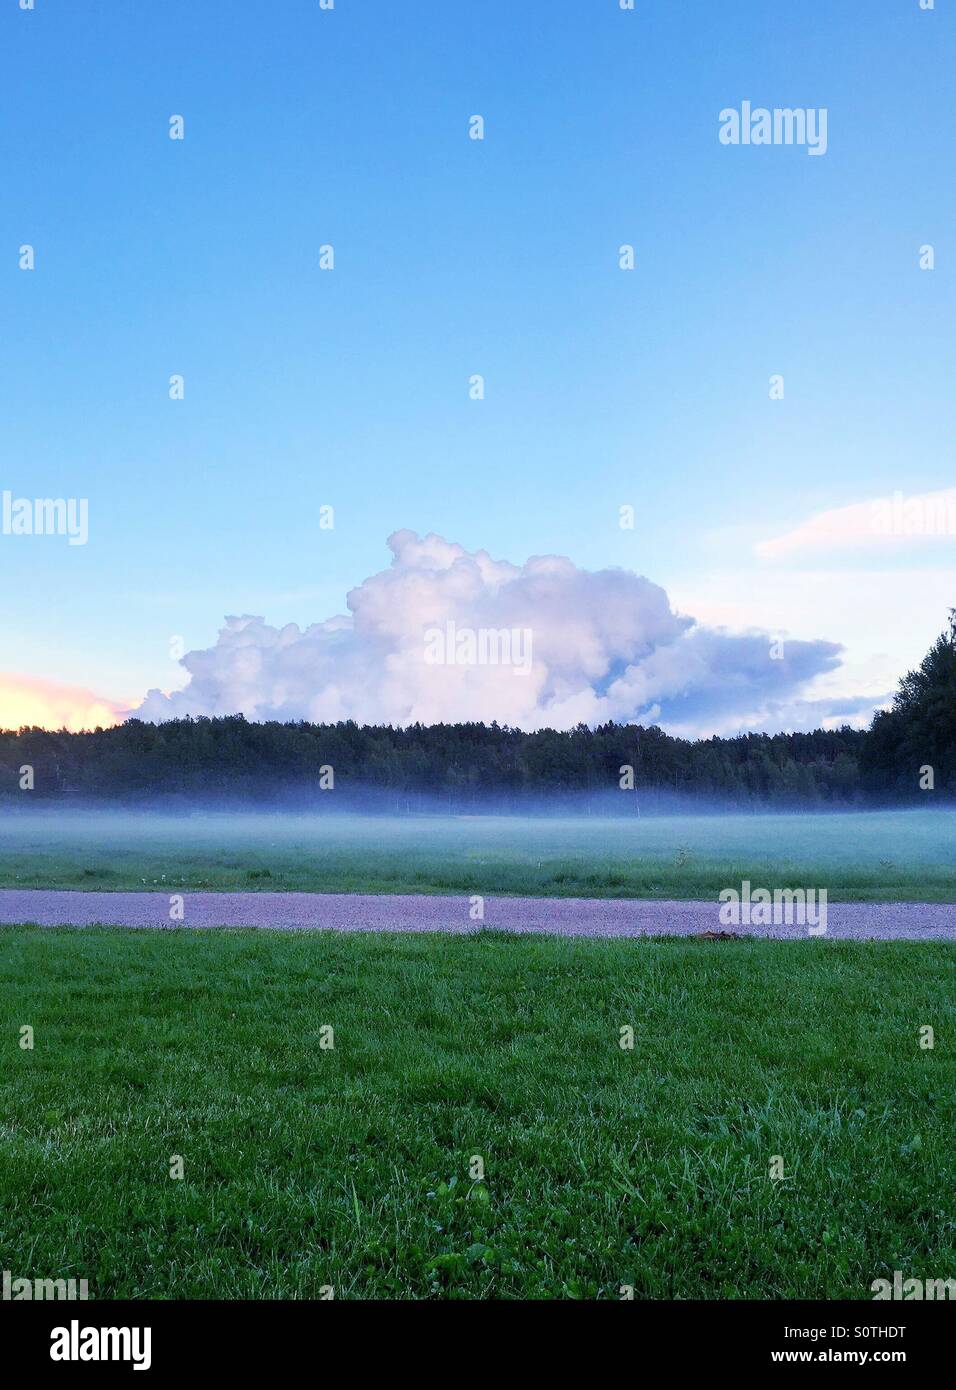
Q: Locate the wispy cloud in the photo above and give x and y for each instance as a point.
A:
(897, 521)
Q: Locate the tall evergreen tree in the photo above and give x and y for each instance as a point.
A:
(914, 743)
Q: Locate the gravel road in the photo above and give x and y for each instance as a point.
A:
(419, 912)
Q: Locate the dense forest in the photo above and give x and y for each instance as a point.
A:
(908, 752)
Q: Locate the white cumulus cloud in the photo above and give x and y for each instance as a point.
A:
(604, 645)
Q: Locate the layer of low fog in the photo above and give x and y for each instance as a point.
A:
(912, 837)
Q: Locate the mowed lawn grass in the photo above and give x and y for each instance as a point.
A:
(351, 1166)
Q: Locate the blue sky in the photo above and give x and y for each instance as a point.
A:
(349, 388)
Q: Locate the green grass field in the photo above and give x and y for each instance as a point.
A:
(349, 1167)
(875, 855)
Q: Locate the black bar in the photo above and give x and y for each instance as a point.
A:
(249, 1338)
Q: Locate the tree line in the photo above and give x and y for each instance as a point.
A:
(907, 751)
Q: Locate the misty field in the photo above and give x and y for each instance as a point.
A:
(353, 1166)
(873, 855)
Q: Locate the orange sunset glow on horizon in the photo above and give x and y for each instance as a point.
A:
(30, 700)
